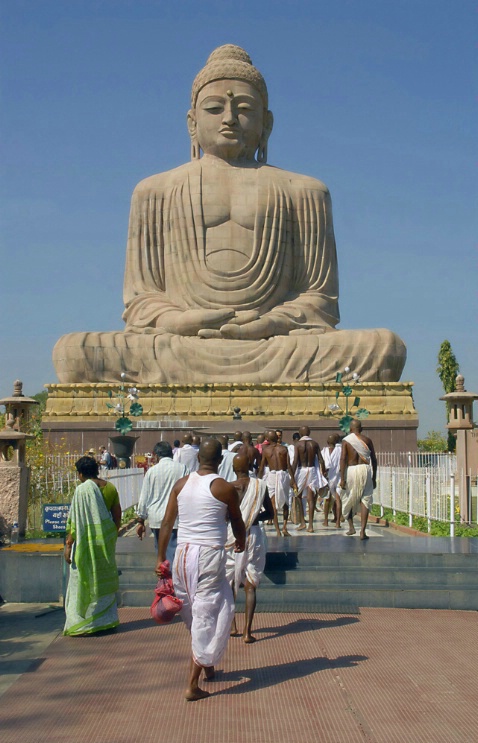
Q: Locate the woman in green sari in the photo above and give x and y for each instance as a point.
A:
(92, 530)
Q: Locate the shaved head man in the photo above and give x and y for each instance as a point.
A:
(203, 502)
(358, 473)
(247, 567)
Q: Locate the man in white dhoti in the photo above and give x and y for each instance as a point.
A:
(310, 475)
(202, 502)
(279, 479)
(226, 470)
(358, 473)
(331, 455)
(187, 454)
(246, 568)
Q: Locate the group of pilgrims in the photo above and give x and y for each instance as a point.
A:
(204, 502)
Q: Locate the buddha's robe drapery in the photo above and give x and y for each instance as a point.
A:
(291, 273)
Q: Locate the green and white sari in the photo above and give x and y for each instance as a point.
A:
(91, 596)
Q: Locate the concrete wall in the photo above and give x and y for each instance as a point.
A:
(32, 577)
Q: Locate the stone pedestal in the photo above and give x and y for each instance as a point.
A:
(78, 412)
(14, 483)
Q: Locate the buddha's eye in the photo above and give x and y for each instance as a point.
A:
(214, 108)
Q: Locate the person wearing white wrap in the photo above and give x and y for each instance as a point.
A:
(331, 455)
(358, 478)
(279, 478)
(247, 567)
(309, 467)
(203, 502)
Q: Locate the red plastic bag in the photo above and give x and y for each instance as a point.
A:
(165, 604)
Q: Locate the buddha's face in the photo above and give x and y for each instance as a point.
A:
(228, 119)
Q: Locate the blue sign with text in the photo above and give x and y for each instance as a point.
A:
(55, 516)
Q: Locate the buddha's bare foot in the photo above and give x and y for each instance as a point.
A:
(209, 673)
(310, 530)
(248, 639)
(301, 526)
(351, 532)
(192, 695)
(285, 533)
(363, 536)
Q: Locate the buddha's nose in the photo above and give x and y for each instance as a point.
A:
(229, 116)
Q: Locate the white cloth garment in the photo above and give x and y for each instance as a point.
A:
(359, 489)
(199, 578)
(250, 563)
(199, 570)
(156, 489)
(332, 464)
(225, 469)
(278, 484)
(232, 446)
(201, 516)
(187, 455)
(360, 447)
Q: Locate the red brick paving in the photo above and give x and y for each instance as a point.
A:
(384, 676)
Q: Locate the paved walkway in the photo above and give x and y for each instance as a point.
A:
(383, 676)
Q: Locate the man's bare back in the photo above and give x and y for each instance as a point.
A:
(276, 457)
(252, 454)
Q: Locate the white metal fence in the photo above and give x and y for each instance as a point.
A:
(128, 484)
(428, 492)
(55, 482)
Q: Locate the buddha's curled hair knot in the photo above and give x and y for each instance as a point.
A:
(229, 62)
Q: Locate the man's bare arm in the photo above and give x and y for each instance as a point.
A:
(267, 514)
(343, 464)
(167, 523)
(373, 459)
(262, 466)
(227, 493)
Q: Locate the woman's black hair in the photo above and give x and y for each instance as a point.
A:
(88, 467)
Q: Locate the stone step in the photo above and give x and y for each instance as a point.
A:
(338, 599)
(335, 576)
(366, 560)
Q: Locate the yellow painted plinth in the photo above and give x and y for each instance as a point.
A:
(390, 401)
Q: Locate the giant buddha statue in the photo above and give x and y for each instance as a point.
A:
(231, 269)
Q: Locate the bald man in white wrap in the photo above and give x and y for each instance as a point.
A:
(247, 567)
(203, 502)
(358, 473)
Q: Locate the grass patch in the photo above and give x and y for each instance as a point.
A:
(438, 528)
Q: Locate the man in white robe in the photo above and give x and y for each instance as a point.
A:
(358, 473)
(279, 479)
(331, 454)
(202, 502)
(247, 567)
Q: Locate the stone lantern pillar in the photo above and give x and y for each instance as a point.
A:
(461, 424)
(14, 472)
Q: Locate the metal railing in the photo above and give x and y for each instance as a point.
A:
(427, 492)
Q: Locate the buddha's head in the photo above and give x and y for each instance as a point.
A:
(229, 117)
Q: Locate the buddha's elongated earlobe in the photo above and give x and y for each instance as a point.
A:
(266, 132)
(195, 149)
(262, 152)
(192, 128)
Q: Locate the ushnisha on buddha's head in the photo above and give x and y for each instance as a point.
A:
(229, 118)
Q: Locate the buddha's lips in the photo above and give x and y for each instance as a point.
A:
(228, 132)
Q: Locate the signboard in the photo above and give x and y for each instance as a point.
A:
(54, 516)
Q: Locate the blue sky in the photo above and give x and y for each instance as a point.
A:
(376, 99)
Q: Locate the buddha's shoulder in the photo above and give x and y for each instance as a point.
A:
(294, 181)
(165, 180)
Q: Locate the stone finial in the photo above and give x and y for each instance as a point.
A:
(460, 383)
(18, 388)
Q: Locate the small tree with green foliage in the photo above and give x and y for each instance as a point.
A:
(447, 370)
(433, 441)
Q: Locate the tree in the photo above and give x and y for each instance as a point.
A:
(433, 441)
(447, 370)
